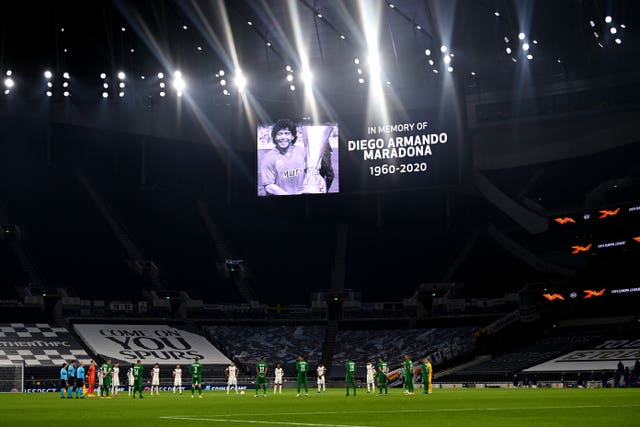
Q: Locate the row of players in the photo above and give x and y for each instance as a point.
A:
(72, 377)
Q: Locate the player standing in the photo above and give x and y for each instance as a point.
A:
(91, 377)
(350, 377)
(277, 382)
(261, 376)
(131, 380)
(106, 370)
(64, 378)
(100, 380)
(302, 368)
(80, 380)
(231, 372)
(155, 379)
(370, 375)
(427, 375)
(71, 369)
(320, 372)
(115, 381)
(383, 381)
(195, 370)
(177, 379)
(137, 373)
(408, 375)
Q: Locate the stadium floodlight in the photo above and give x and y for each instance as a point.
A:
(447, 59)
(66, 75)
(223, 82)
(443, 49)
(179, 84)
(105, 94)
(356, 61)
(226, 92)
(48, 74)
(121, 85)
(105, 85)
(521, 36)
(361, 80)
(496, 14)
(508, 50)
(66, 93)
(618, 41)
(162, 93)
(608, 19)
(450, 69)
(306, 76)
(8, 82)
(525, 46)
(121, 75)
(289, 77)
(613, 30)
(529, 57)
(593, 24)
(49, 93)
(103, 76)
(427, 52)
(161, 75)
(342, 36)
(240, 81)
(292, 87)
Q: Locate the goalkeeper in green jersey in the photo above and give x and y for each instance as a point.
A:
(138, 383)
(302, 367)
(383, 381)
(195, 370)
(261, 376)
(350, 376)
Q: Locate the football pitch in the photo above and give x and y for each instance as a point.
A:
(462, 407)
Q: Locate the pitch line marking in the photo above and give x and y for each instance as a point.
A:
(426, 411)
(227, 420)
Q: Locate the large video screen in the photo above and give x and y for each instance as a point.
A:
(419, 150)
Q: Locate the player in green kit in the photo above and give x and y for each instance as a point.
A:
(302, 367)
(137, 371)
(383, 381)
(196, 377)
(106, 371)
(261, 376)
(350, 377)
(427, 372)
(408, 375)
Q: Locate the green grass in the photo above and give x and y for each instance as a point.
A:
(489, 407)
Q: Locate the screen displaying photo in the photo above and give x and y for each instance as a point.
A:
(295, 158)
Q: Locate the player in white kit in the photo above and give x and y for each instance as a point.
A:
(155, 379)
(277, 382)
(320, 372)
(115, 379)
(177, 379)
(371, 386)
(100, 381)
(232, 376)
(130, 379)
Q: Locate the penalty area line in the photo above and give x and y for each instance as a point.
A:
(286, 423)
